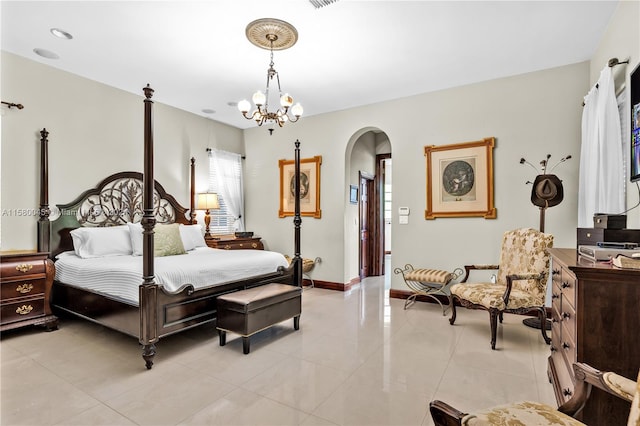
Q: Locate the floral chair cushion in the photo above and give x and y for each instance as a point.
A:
(490, 296)
(520, 414)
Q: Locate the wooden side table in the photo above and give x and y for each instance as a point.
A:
(234, 243)
(25, 283)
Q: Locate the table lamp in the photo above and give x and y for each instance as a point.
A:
(206, 202)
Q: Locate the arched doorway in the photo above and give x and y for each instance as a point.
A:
(367, 224)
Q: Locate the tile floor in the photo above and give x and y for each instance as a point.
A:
(359, 358)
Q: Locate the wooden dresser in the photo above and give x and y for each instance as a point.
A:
(235, 243)
(25, 280)
(595, 320)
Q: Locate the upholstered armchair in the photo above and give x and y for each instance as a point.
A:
(521, 282)
(535, 413)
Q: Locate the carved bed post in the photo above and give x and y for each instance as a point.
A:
(297, 220)
(192, 200)
(148, 289)
(44, 228)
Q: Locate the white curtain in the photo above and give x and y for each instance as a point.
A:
(228, 167)
(601, 183)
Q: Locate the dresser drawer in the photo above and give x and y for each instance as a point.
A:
(568, 287)
(22, 288)
(21, 310)
(568, 346)
(20, 268)
(563, 377)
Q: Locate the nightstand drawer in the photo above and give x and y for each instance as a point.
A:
(20, 268)
(22, 288)
(19, 311)
(253, 243)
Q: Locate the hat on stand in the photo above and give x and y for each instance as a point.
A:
(547, 191)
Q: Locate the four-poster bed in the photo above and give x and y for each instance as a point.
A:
(160, 310)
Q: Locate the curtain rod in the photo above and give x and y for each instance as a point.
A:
(11, 104)
(209, 152)
(614, 61)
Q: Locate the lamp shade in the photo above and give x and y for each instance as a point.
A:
(208, 200)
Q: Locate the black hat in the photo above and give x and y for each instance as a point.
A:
(547, 191)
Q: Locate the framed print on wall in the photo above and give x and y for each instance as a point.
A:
(460, 180)
(353, 194)
(309, 187)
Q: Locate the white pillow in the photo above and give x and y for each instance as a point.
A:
(102, 241)
(192, 236)
(135, 232)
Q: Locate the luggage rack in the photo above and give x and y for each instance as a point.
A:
(427, 282)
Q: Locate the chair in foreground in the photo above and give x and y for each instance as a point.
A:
(521, 283)
(535, 413)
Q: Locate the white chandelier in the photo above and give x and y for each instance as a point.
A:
(271, 34)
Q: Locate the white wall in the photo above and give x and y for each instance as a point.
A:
(530, 115)
(622, 41)
(95, 130)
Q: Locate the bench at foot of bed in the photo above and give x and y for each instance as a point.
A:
(249, 311)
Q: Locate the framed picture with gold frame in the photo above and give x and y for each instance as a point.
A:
(460, 180)
(309, 187)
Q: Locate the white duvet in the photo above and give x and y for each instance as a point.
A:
(120, 276)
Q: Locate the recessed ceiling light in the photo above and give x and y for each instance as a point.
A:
(61, 33)
(46, 53)
(232, 104)
(208, 111)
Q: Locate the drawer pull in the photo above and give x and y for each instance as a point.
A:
(554, 320)
(24, 267)
(565, 345)
(588, 234)
(555, 296)
(566, 315)
(227, 247)
(567, 392)
(566, 285)
(555, 272)
(553, 349)
(24, 309)
(254, 245)
(24, 288)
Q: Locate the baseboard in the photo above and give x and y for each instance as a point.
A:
(328, 285)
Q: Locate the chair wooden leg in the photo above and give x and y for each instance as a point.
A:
(453, 309)
(445, 415)
(493, 319)
(500, 318)
(542, 315)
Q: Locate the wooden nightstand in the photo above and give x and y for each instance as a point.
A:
(25, 282)
(233, 243)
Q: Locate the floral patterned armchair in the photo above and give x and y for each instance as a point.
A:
(521, 282)
(534, 413)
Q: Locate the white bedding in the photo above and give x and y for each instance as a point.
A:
(120, 276)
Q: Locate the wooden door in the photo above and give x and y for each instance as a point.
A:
(367, 213)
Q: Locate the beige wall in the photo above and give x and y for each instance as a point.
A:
(95, 130)
(530, 115)
(622, 41)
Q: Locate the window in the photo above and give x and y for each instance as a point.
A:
(225, 179)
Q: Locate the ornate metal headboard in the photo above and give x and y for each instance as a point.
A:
(114, 201)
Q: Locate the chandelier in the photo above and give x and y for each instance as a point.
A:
(271, 34)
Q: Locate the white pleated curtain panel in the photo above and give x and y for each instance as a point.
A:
(225, 171)
(601, 182)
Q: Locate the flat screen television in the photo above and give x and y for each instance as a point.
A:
(635, 124)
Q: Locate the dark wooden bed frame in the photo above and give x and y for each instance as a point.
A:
(159, 313)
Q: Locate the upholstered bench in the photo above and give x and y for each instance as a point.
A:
(247, 312)
(427, 282)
